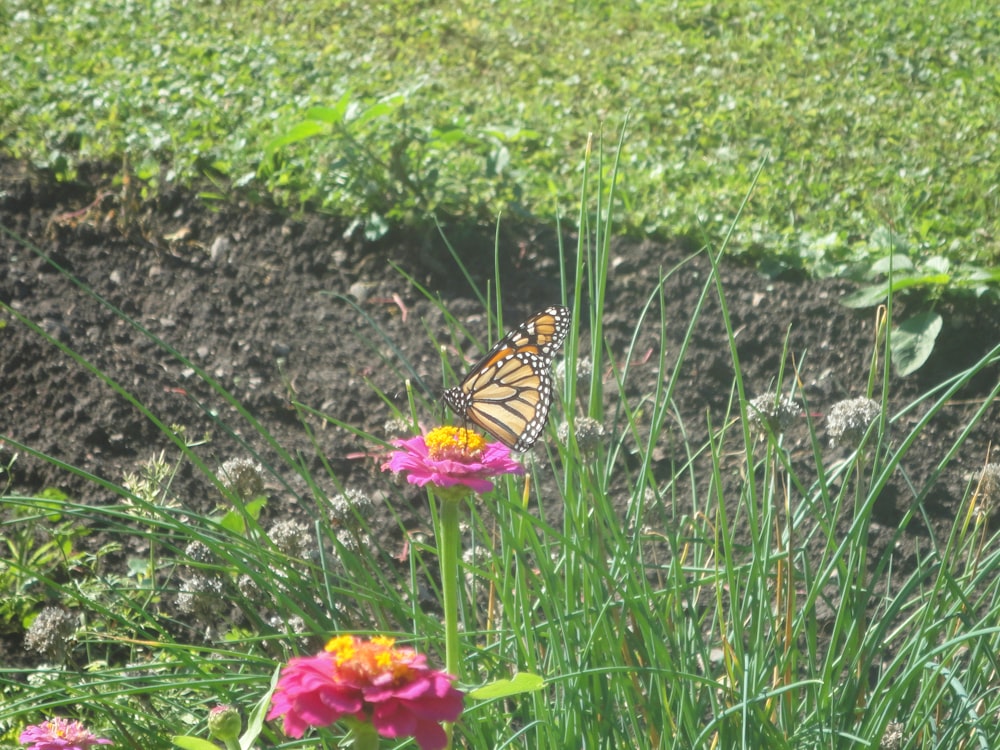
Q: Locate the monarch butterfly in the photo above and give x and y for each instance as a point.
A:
(509, 392)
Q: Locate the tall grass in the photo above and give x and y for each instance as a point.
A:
(710, 606)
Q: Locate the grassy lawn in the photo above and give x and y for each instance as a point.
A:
(722, 594)
(870, 116)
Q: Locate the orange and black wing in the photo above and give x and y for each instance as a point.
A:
(509, 392)
(542, 333)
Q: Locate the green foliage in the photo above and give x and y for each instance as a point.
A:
(382, 166)
(36, 543)
(666, 606)
(900, 268)
(867, 113)
(914, 340)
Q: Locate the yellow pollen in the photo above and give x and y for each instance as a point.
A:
(454, 443)
(369, 659)
(342, 647)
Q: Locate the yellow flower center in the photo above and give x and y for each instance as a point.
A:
(368, 659)
(454, 444)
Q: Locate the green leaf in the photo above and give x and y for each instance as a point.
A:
(376, 227)
(255, 722)
(333, 114)
(895, 262)
(928, 279)
(938, 264)
(868, 296)
(138, 567)
(193, 743)
(254, 507)
(913, 342)
(380, 109)
(298, 132)
(51, 498)
(233, 522)
(523, 682)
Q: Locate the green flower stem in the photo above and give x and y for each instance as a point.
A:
(363, 734)
(448, 562)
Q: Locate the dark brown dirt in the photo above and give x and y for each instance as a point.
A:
(249, 296)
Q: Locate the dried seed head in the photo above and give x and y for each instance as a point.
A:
(988, 490)
(249, 588)
(242, 477)
(589, 433)
(584, 369)
(294, 624)
(397, 427)
(50, 631)
(350, 508)
(292, 538)
(150, 486)
(893, 737)
(199, 552)
(201, 597)
(849, 420)
(769, 416)
(353, 541)
(476, 554)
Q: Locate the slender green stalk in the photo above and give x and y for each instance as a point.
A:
(448, 536)
(362, 733)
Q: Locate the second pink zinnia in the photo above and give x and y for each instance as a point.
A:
(368, 681)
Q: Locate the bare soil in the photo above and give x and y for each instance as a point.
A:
(250, 296)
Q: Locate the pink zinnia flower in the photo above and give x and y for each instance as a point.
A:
(368, 681)
(60, 734)
(452, 456)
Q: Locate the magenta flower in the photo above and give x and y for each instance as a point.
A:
(367, 681)
(452, 456)
(60, 734)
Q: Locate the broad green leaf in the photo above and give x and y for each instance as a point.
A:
(982, 275)
(929, 279)
(298, 132)
(254, 507)
(913, 342)
(896, 263)
(333, 114)
(380, 109)
(523, 682)
(233, 522)
(938, 264)
(868, 296)
(51, 498)
(874, 295)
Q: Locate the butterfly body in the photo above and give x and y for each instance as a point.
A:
(509, 391)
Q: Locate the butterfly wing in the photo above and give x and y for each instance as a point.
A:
(509, 392)
(542, 333)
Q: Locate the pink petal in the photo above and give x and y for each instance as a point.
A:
(430, 736)
(392, 719)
